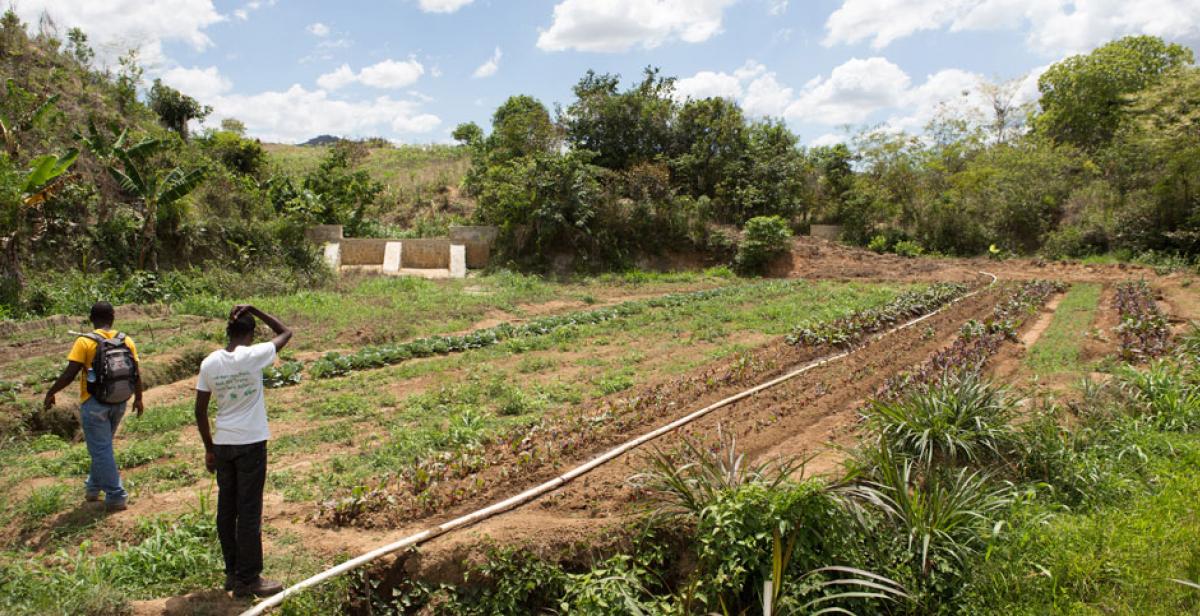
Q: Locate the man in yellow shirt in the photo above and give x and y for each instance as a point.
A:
(112, 378)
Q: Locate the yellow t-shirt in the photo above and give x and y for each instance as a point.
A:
(84, 352)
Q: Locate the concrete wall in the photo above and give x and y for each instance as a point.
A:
(826, 232)
(478, 240)
(357, 251)
(425, 254)
(321, 234)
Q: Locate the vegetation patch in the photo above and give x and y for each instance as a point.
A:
(1057, 350)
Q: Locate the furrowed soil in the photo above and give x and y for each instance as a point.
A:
(808, 416)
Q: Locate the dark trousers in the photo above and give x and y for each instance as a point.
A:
(241, 473)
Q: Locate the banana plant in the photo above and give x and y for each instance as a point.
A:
(13, 122)
(155, 188)
(45, 176)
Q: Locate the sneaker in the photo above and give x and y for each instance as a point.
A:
(92, 497)
(115, 507)
(259, 588)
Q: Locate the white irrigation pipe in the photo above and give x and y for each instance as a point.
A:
(536, 491)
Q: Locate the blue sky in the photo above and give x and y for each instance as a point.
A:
(411, 70)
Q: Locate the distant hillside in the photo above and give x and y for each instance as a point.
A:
(322, 140)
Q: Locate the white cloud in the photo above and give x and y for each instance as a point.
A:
(827, 139)
(489, 68)
(856, 92)
(389, 74)
(241, 14)
(618, 25)
(1055, 26)
(443, 6)
(297, 114)
(318, 29)
(852, 92)
(339, 78)
(777, 7)
(116, 26)
(706, 84)
(203, 84)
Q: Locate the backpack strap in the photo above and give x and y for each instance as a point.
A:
(95, 337)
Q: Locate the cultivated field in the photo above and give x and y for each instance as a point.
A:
(403, 403)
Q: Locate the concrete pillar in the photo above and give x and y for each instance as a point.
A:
(392, 256)
(333, 255)
(458, 261)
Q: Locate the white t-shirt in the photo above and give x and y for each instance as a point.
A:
(235, 380)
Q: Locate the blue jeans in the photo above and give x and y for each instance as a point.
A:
(100, 423)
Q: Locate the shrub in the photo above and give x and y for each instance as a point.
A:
(766, 238)
(878, 244)
(908, 248)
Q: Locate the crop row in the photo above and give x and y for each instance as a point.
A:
(1143, 329)
(434, 482)
(337, 364)
(849, 330)
(978, 341)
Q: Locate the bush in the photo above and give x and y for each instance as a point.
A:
(766, 238)
(878, 244)
(908, 248)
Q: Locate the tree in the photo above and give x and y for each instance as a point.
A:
(175, 109)
(77, 46)
(468, 133)
(521, 127)
(772, 179)
(1085, 97)
(32, 188)
(234, 125)
(129, 79)
(155, 188)
(623, 129)
(711, 139)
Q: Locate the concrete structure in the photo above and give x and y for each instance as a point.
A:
(324, 233)
(479, 242)
(392, 252)
(826, 232)
(333, 255)
(467, 247)
(458, 261)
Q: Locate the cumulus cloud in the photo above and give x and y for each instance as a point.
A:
(489, 68)
(443, 6)
(116, 26)
(619, 25)
(318, 29)
(297, 114)
(203, 84)
(1055, 26)
(387, 75)
(861, 90)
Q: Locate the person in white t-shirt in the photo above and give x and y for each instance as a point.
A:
(236, 446)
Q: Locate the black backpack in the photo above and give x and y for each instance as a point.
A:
(115, 370)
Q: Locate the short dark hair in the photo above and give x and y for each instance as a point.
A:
(102, 313)
(240, 327)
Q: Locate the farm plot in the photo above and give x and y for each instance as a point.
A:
(415, 424)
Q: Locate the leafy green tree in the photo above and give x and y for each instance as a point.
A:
(234, 125)
(236, 153)
(155, 189)
(128, 80)
(521, 127)
(623, 129)
(175, 109)
(1085, 97)
(772, 180)
(468, 133)
(77, 46)
(712, 140)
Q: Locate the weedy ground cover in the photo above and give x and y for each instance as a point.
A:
(1057, 350)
